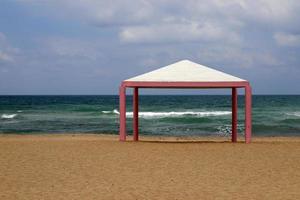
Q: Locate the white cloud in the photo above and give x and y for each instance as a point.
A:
(99, 12)
(209, 24)
(261, 11)
(174, 20)
(183, 32)
(89, 43)
(238, 57)
(287, 39)
(5, 57)
(7, 52)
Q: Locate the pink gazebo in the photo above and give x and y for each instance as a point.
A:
(185, 74)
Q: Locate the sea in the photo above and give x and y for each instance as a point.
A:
(164, 115)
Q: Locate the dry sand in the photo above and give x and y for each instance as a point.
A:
(100, 167)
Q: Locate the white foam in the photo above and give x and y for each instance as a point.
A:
(297, 114)
(172, 114)
(115, 111)
(225, 130)
(106, 112)
(19, 111)
(178, 114)
(8, 116)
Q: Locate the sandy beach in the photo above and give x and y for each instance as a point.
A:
(101, 167)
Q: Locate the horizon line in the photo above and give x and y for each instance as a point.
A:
(139, 94)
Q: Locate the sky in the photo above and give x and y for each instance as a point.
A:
(90, 46)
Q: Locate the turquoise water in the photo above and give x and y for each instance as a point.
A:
(159, 115)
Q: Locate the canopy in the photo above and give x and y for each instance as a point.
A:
(186, 74)
(186, 71)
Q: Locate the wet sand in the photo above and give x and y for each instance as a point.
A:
(101, 167)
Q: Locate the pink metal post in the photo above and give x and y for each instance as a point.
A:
(122, 133)
(136, 114)
(248, 114)
(234, 115)
(143, 84)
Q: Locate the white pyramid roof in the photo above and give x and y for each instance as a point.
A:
(185, 71)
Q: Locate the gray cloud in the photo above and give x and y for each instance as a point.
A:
(71, 47)
(238, 57)
(287, 39)
(104, 42)
(156, 21)
(184, 32)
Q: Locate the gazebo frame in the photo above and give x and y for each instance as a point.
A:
(151, 84)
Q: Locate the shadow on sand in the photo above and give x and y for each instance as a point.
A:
(188, 142)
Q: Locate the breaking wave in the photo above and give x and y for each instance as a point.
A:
(172, 114)
(297, 114)
(8, 116)
(115, 111)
